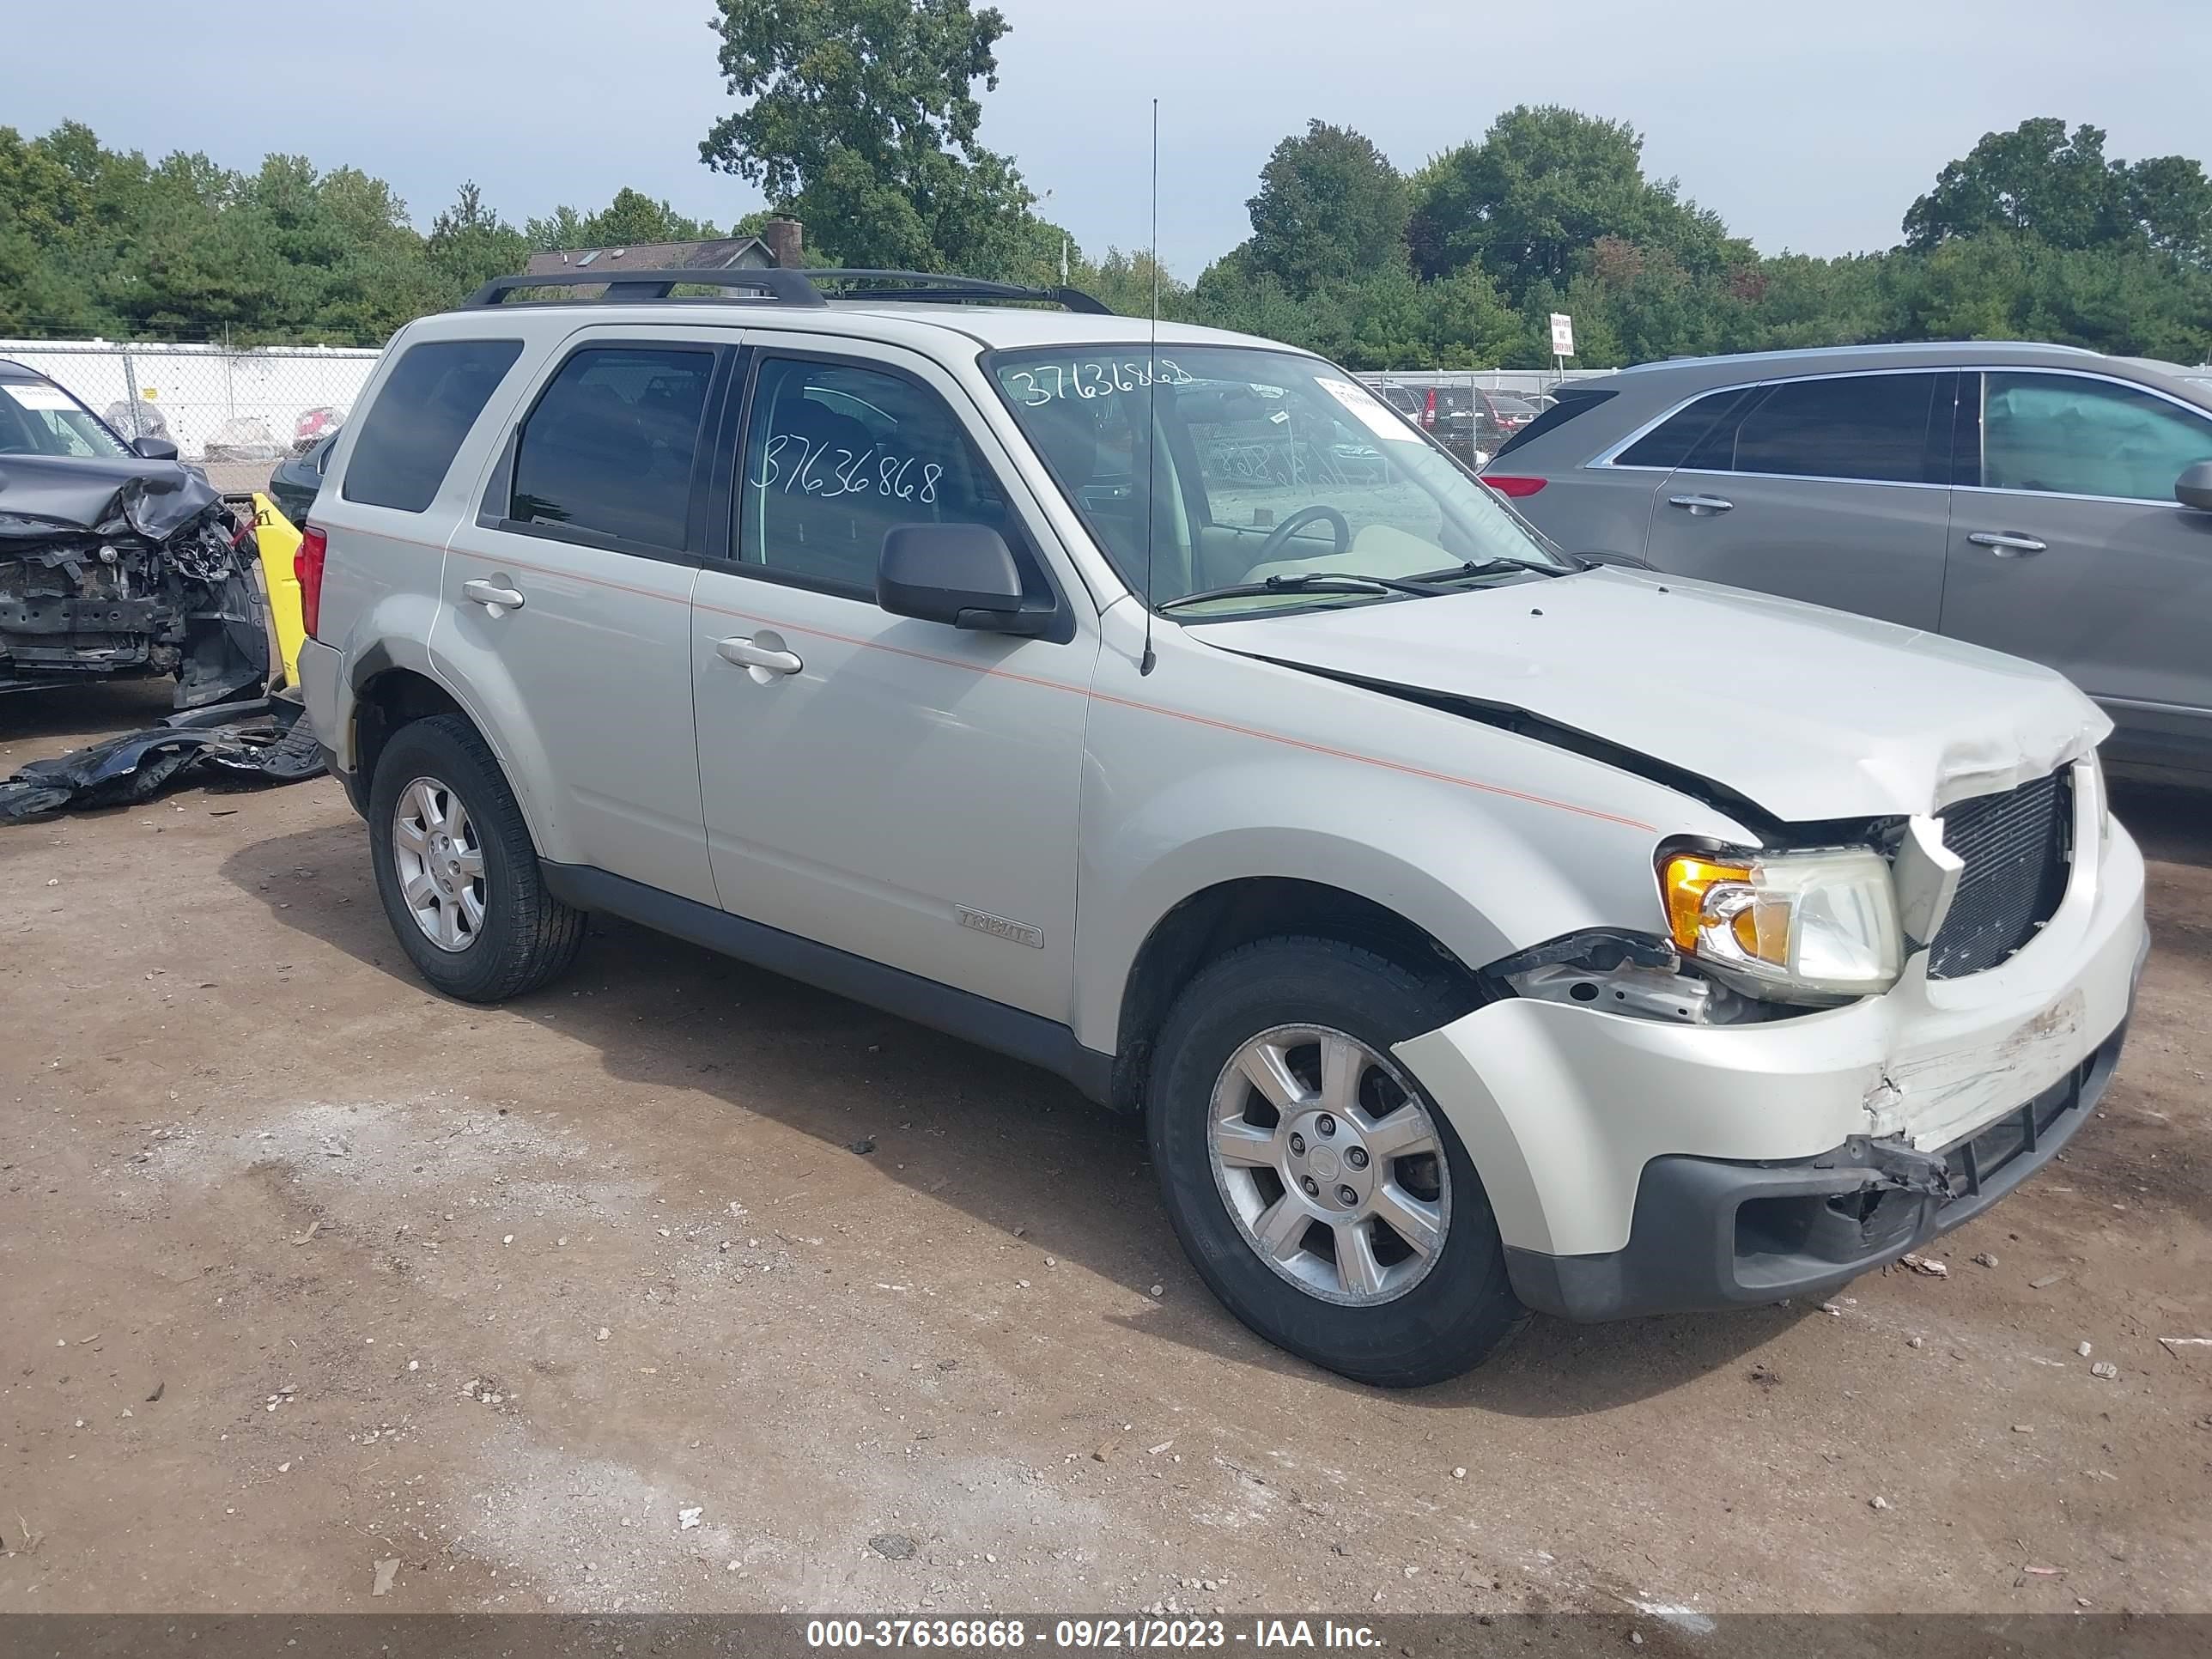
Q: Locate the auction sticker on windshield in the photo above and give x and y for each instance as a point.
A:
(31, 394)
(1370, 410)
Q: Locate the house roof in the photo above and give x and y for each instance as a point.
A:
(722, 254)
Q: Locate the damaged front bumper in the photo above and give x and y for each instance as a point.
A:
(1708, 1234)
(1637, 1166)
(118, 569)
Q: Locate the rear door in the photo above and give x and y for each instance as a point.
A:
(567, 599)
(1833, 488)
(2068, 546)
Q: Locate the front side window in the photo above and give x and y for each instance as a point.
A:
(609, 448)
(2072, 435)
(39, 418)
(1209, 466)
(836, 454)
(415, 428)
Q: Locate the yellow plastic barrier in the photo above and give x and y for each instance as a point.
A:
(279, 542)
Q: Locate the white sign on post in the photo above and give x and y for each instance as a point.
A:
(1563, 334)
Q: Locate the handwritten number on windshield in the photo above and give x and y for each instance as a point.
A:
(1088, 379)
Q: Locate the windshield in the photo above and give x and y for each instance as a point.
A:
(39, 418)
(1271, 465)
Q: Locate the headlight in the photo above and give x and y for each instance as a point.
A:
(1789, 927)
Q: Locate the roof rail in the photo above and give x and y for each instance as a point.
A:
(777, 285)
(781, 287)
(931, 285)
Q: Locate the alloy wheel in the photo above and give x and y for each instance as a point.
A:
(1326, 1158)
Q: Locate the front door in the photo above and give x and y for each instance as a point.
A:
(2072, 549)
(895, 789)
(568, 602)
(1831, 489)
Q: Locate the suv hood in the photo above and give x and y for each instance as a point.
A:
(1809, 712)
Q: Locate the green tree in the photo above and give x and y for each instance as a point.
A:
(2036, 181)
(863, 121)
(1330, 208)
(469, 244)
(1542, 185)
(2169, 200)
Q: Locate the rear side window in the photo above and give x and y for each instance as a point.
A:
(412, 431)
(1570, 404)
(608, 449)
(1862, 427)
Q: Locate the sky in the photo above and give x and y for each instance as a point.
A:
(1807, 124)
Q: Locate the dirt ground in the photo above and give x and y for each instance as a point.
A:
(590, 1303)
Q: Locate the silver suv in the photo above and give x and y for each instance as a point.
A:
(1476, 933)
(2037, 499)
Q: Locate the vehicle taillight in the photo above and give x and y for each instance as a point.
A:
(1516, 487)
(1429, 409)
(307, 565)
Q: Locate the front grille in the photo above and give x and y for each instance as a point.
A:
(2015, 848)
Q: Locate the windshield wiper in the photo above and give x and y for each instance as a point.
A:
(1484, 568)
(1306, 581)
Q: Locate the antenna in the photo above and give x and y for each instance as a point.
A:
(1145, 663)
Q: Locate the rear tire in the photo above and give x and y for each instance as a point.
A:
(455, 868)
(1389, 1269)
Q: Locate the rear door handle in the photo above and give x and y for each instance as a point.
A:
(1700, 506)
(769, 659)
(2007, 543)
(492, 596)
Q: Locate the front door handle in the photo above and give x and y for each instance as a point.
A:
(1700, 506)
(748, 653)
(492, 596)
(2007, 543)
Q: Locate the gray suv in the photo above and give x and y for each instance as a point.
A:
(2042, 499)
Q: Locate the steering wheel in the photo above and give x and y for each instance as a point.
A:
(1298, 521)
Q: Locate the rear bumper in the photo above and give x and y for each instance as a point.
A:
(1708, 1234)
(322, 688)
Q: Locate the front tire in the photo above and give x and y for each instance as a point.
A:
(1318, 1190)
(455, 868)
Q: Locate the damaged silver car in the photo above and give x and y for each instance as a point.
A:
(116, 562)
(1477, 933)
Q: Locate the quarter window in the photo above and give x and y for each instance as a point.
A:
(2072, 435)
(1671, 442)
(412, 431)
(836, 454)
(609, 448)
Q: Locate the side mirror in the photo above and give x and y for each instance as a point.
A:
(2194, 487)
(962, 575)
(151, 448)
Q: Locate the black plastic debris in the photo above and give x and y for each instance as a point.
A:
(264, 741)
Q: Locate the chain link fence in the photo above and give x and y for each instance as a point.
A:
(1472, 411)
(238, 413)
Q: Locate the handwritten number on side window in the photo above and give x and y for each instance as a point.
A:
(829, 470)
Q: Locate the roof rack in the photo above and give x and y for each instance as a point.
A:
(927, 286)
(781, 287)
(777, 285)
